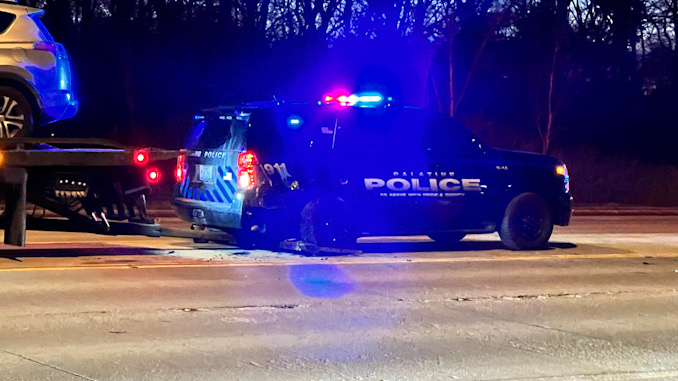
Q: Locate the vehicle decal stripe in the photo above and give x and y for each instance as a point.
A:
(224, 192)
(217, 196)
(230, 183)
(184, 186)
(208, 194)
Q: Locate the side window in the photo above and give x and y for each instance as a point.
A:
(389, 139)
(6, 19)
(446, 137)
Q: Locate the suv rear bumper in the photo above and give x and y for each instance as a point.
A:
(224, 217)
(58, 105)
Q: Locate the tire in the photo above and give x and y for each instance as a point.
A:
(447, 238)
(327, 223)
(16, 114)
(527, 223)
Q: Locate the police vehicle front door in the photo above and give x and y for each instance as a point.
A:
(462, 175)
(393, 181)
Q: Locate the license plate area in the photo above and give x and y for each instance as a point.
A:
(205, 173)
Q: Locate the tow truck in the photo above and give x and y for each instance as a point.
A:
(92, 185)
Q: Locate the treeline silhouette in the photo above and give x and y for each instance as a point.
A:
(593, 81)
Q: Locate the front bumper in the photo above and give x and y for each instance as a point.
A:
(563, 210)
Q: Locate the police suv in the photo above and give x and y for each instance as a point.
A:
(327, 173)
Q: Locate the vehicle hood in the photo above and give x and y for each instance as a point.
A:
(526, 158)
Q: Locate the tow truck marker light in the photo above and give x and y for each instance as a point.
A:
(140, 157)
(153, 175)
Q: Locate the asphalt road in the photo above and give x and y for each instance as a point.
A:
(601, 303)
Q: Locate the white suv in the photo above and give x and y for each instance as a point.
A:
(35, 74)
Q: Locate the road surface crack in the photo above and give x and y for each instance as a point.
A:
(47, 365)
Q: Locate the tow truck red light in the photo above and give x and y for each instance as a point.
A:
(246, 163)
(153, 175)
(180, 170)
(140, 157)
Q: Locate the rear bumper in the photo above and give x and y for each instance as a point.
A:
(58, 105)
(228, 216)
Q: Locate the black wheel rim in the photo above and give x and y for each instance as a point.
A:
(530, 224)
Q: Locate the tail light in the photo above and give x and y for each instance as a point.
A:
(47, 46)
(246, 163)
(140, 157)
(180, 170)
(153, 175)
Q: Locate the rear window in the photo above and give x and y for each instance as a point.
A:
(6, 19)
(43, 29)
(217, 132)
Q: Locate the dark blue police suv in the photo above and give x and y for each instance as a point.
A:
(328, 173)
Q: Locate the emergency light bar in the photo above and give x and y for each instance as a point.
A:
(357, 100)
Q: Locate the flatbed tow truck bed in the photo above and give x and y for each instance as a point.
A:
(90, 185)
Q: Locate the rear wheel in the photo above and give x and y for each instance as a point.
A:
(327, 223)
(527, 223)
(16, 113)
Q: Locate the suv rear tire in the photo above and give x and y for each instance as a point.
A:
(527, 223)
(16, 113)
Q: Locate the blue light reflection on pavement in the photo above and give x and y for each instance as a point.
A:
(324, 281)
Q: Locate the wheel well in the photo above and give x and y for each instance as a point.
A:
(27, 92)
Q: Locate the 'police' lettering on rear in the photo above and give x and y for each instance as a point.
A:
(216, 154)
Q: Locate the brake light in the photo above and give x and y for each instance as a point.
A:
(47, 47)
(180, 170)
(140, 157)
(246, 162)
(153, 175)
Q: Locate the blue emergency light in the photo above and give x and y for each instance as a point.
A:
(357, 100)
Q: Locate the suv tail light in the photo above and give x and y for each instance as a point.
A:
(180, 170)
(246, 163)
(53, 47)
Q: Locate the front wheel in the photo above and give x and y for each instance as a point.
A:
(527, 223)
(16, 113)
